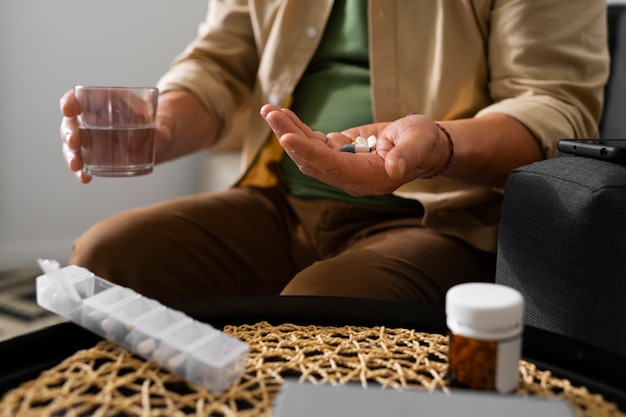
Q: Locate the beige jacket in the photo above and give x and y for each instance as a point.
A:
(544, 62)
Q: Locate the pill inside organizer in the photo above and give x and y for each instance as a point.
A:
(225, 353)
(184, 339)
(122, 320)
(96, 309)
(150, 328)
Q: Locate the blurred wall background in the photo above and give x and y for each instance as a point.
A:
(46, 47)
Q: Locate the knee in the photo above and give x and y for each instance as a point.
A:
(110, 249)
(344, 277)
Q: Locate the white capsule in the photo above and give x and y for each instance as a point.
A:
(360, 140)
(106, 325)
(355, 148)
(348, 147)
(146, 347)
(371, 142)
(177, 360)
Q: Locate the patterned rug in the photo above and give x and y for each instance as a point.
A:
(19, 312)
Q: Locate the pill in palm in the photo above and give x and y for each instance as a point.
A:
(360, 144)
(371, 142)
(355, 148)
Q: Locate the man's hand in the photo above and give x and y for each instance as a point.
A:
(406, 149)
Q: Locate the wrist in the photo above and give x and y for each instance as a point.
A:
(448, 138)
(446, 165)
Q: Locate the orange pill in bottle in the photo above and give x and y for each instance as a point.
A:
(485, 336)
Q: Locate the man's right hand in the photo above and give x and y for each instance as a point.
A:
(70, 136)
(183, 127)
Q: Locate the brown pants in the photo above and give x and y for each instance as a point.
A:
(248, 241)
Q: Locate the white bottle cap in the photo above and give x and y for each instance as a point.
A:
(484, 310)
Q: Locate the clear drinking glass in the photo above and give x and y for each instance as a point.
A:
(117, 127)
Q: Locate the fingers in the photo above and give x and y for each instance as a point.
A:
(72, 153)
(396, 165)
(72, 158)
(294, 123)
(284, 121)
(411, 148)
(69, 132)
(82, 177)
(69, 105)
(267, 108)
(336, 140)
(70, 136)
(75, 164)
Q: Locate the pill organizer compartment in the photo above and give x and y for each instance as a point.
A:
(217, 363)
(144, 338)
(185, 337)
(64, 290)
(96, 309)
(91, 286)
(180, 341)
(51, 297)
(122, 320)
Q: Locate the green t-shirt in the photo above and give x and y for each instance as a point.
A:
(334, 94)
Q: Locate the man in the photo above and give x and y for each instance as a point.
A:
(494, 84)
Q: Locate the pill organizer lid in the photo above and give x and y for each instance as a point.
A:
(484, 306)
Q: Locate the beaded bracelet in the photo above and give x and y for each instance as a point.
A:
(445, 167)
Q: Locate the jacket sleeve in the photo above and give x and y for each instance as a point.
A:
(548, 63)
(219, 65)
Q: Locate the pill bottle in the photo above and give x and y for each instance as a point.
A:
(485, 336)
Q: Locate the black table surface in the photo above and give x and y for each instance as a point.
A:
(24, 357)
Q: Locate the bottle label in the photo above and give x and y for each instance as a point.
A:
(507, 364)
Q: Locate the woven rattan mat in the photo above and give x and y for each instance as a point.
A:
(107, 380)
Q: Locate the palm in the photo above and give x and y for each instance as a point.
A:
(318, 155)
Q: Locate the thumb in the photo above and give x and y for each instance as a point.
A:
(417, 148)
(396, 164)
(401, 158)
(164, 128)
(163, 138)
(163, 133)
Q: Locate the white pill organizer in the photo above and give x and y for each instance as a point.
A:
(192, 349)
